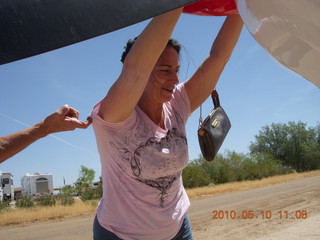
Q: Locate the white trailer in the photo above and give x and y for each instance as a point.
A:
(1, 188)
(1, 194)
(37, 185)
(7, 188)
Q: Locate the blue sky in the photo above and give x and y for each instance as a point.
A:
(254, 90)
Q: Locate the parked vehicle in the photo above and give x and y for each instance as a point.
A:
(37, 185)
(1, 188)
(7, 188)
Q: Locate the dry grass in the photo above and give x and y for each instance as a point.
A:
(20, 215)
(24, 215)
(245, 185)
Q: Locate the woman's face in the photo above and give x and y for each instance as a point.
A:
(164, 76)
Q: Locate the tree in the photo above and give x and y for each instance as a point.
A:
(85, 179)
(293, 144)
(195, 176)
(66, 196)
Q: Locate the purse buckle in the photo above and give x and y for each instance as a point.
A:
(215, 123)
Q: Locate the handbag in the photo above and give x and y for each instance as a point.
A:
(213, 130)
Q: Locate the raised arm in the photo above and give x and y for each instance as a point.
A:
(64, 119)
(125, 93)
(209, 72)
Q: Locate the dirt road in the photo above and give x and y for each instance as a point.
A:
(296, 199)
(284, 211)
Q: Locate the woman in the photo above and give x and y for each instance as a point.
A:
(140, 132)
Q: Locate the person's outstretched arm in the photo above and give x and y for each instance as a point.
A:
(206, 77)
(64, 119)
(125, 93)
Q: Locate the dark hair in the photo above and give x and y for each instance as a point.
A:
(171, 43)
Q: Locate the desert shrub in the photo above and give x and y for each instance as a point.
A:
(47, 200)
(25, 202)
(195, 176)
(282, 170)
(90, 195)
(294, 144)
(4, 206)
(67, 200)
(93, 203)
(67, 195)
(232, 167)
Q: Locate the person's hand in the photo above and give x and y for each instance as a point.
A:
(64, 119)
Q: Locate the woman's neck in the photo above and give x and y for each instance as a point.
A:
(153, 110)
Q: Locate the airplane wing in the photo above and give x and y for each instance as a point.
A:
(288, 30)
(31, 27)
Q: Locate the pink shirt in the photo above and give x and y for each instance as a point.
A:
(143, 195)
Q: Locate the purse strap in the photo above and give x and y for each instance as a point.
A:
(214, 96)
(200, 117)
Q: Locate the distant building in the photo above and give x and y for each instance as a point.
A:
(17, 193)
(1, 188)
(37, 185)
(6, 187)
(95, 185)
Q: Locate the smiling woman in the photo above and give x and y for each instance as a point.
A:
(163, 79)
(86, 70)
(141, 136)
